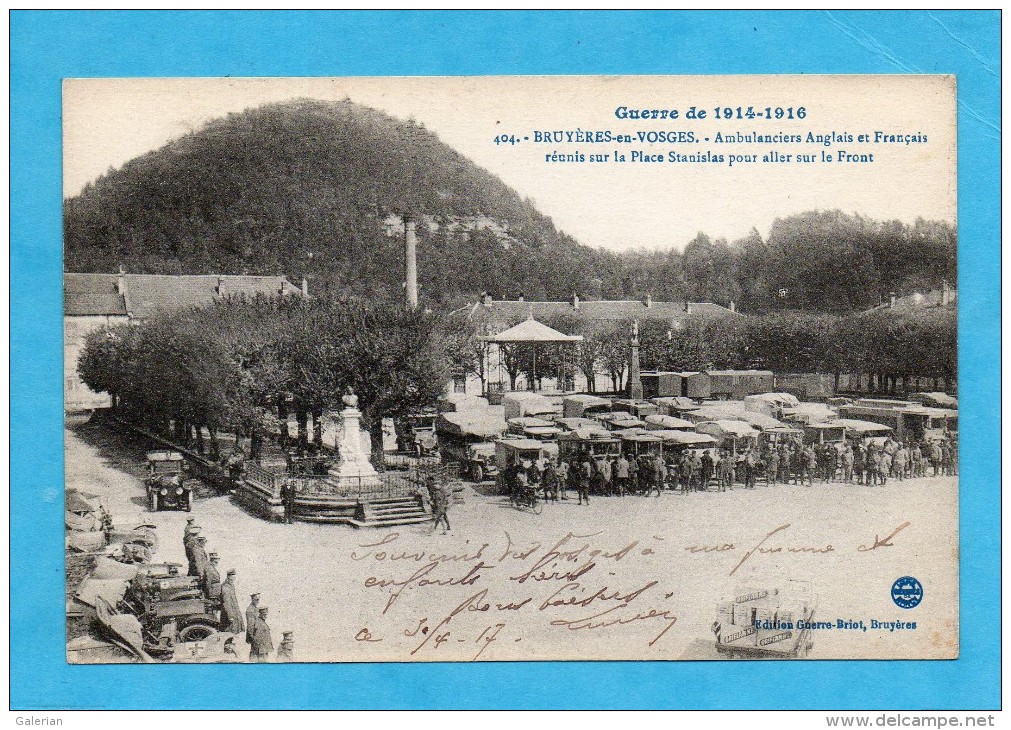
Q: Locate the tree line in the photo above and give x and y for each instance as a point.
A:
(884, 348)
(243, 366)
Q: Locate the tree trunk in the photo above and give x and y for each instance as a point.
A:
(282, 416)
(838, 378)
(215, 446)
(255, 444)
(376, 439)
(302, 418)
(200, 438)
(317, 426)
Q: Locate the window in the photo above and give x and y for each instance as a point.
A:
(459, 384)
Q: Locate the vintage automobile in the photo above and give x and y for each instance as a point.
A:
(618, 420)
(479, 461)
(166, 482)
(637, 408)
(171, 609)
(674, 443)
(597, 442)
(639, 442)
(416, 433)
(535, 428)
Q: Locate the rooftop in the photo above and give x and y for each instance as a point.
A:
(142, 295)
(504, 311)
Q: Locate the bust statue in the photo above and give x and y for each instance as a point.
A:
(350, 399)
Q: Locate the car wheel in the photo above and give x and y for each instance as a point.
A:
(417, 450)
(478, 473)
(196, 632)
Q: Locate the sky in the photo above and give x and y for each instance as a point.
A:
(607, 204)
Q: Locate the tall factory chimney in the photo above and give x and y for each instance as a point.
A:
(411, 262)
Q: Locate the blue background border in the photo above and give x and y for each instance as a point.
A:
(49, 46)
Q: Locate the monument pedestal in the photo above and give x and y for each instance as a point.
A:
(353, 469)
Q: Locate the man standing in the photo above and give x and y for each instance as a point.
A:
(562, 478)
(231, 615)
(633, 476)
(810, 464)
(286, 650)
(262, 646)
(847, 464)
(189, 530)
(659, 474)
(884, 466)
(707, 469)
(212, 578)
(772, 470)
(621, 472)
(252, 614)
(549, 481)
(189, 543)
(935, 457)
(200, 558)
(585, 475)
(899, 464)
(440, 509)
(606, 476)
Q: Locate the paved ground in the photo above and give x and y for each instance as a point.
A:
(632, 578)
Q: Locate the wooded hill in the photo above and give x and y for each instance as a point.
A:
(303, 189)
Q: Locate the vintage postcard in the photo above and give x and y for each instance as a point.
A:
(511, 368)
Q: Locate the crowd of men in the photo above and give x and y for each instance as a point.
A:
(204, 565)
(869, 462)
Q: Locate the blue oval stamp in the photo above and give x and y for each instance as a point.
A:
(907, 592)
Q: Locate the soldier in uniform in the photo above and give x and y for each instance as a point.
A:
(252, 613)
(562, 478)
(440, 509)
(707, 469)
(847, 464)
(659, 474)
(286, 650)
(200, 559)
(772, 470)
(262, 646)
(189, 542)
(212, 578)
(809, 465)
(231, 614)
(550, 483)
(585, 475)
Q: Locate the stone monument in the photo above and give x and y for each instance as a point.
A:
(353, 468)
(634, 379)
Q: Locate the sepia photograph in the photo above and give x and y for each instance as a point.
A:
(510, 368)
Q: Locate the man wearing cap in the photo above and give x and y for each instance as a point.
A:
(231, 614)
(262, 646)
(252, 613)
(200, 558)
(286, 651)
(212, 578)
(189, 542)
